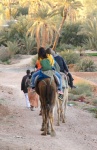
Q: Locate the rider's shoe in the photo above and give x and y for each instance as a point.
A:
(40, 113)
(33, 89)
(60, 96)
(32, 108)
(73, 87)
(60, 92)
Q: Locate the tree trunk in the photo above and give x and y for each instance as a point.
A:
(44, 39)
(9, 8)
(37, 39)
(60, 28)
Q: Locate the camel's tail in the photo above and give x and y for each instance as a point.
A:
(50, 93)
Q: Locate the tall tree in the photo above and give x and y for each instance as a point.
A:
(89, 28)
(65, 8)
(42, 25)
(8, 5)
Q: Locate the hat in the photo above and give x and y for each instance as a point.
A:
(53, 52)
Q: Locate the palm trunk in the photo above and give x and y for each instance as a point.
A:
(38, 43)
(60, 28)
(44, 37)
(37, 39)
(9, 5)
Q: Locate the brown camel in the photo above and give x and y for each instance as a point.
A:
(46, 89)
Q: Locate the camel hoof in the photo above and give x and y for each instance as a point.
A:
(48, 132)
(40, 114)
(42, 129)
(58, 124)
(53, 134)
(43, 133)
(63, 121)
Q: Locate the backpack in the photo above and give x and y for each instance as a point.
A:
(45, 63)
(27, 82)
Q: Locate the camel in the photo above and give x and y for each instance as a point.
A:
(61, 104)
(46, 89)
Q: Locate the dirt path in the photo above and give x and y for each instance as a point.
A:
(20, 127)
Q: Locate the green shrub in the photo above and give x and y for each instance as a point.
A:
(73, 96)
(22, 11)
(95, 102)
(4, 53)
(88, 28)
(92, 54)
(70, 56)
(92, 110)
(13, 47)
(86, 65)
(63, 46)
(69, 35)
(82, 89)
(29, 43)
(7, 62)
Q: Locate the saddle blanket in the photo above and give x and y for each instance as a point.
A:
(47, 74)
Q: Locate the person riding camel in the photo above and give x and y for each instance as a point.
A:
(63, 67)
(47, 63)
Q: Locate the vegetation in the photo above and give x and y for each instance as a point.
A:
(83, 93)
(86, 65)
(42, 19)
(82, 89)
(92, 54)
(4, 54)
(69, 34)
(12, 47)
(70, 56)
(89, 29)
(68, 25)
(44, 22)
(92, 110)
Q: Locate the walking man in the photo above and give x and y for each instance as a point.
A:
(24, 88)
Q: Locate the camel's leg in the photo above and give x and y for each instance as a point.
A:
(48, 129)
(45, 122)
(52, 123)
(65, 105)
(61, 109)
(58, 112)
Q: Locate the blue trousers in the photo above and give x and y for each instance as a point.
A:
(38, 73)
(60, 78)
(34, 76)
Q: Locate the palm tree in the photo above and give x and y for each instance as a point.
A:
(8, 4)
(42, 25)
(89, 28)
(90, 5)
(29, 43)
(64, 7)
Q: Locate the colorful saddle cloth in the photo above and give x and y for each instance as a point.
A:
(47, 74)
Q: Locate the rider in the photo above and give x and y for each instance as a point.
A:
(49, 63)
(63, 67)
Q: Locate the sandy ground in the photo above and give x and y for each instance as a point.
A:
(20, 127)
